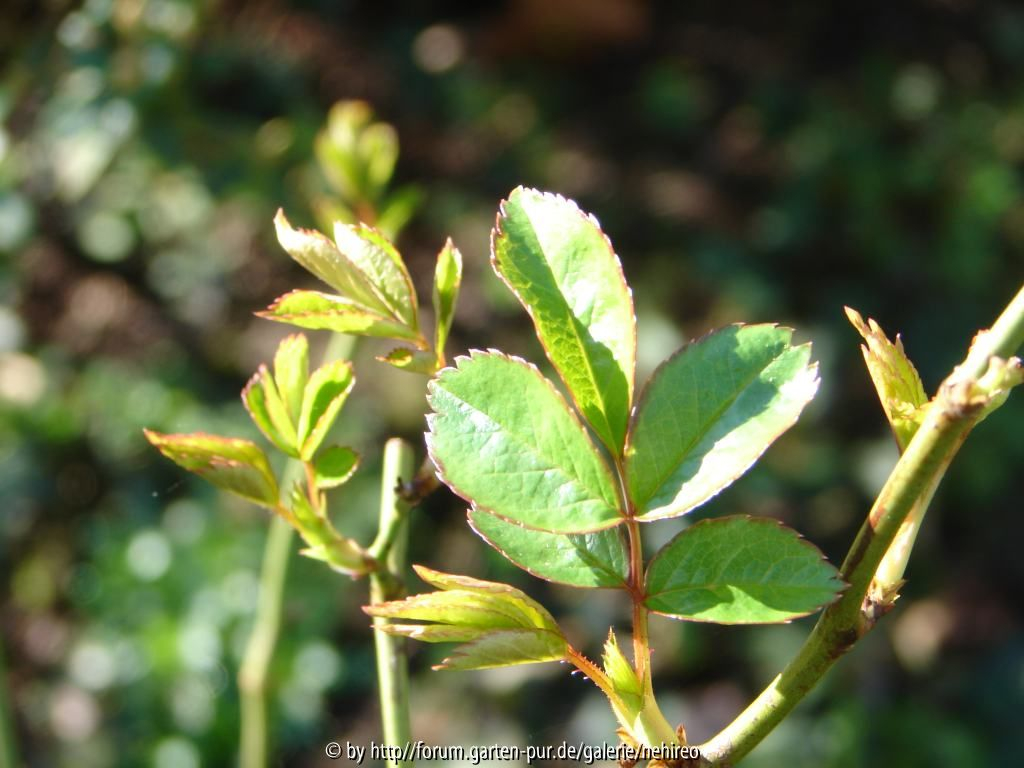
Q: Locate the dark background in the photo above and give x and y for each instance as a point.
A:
(750, 161)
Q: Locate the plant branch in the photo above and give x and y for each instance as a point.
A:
(252, 675)
(951, 415)
(387, 583)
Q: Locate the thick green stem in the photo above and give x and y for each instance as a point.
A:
(951, 416)
(8, 749)
(387, 583)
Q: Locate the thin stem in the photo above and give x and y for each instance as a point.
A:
(641, 638)
(252, 676)
(8, 748)
(951, 416)
(386, 584)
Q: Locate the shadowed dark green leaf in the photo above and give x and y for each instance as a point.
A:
(740, 570)
(709, 412)
(598, 559)
(504, 439)
(238, 466)
(562, 268)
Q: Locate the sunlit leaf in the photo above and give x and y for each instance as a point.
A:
(740, 570)
(710, 411)
(378, 149)
(322, 257)
(322, 311)
(447, 280)
(497, 624)
(895, 378)
(624, 680)
(323, 398)
(504, 439)
(269, 411)
(376, 257)
(238, 466)
(598, 559)
(507, 647)
(562, 268)
(291, 371)
(334, 466)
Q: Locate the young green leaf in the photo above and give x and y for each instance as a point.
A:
(269, 411)
(497, 624)
(411, 360)
(325, 543)
(447, 280)
(709, 412)
(378, 149)
(322, 311)
(895, 378)
(740, 570)
(598, 559)
(238, 466)
(504, 439)
(321, 257)
(379, 261)
(624, 680)
(562, 268)
(291, 371)
(325, 394)
(334, 466)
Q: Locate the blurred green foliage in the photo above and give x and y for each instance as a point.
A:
(750, 162)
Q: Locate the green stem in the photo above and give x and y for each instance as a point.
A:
(252, 675)
(8, 749)
(387, 583)
(950, 417)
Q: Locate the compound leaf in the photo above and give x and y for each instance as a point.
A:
(238, 466)
(598, 559)
(740, 570)
(562, 268)
(709, 412)
(504, 439)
